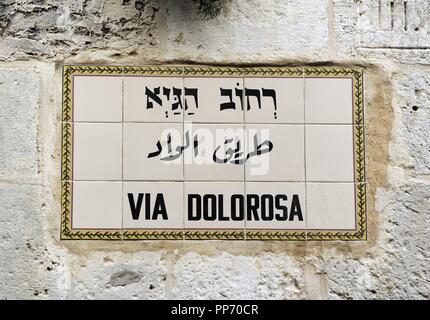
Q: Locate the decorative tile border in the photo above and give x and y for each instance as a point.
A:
(289, 235)
(287, 72)
(152, 235)
(214, 235)
(165, 71)
(203, 71)
(321, 72)
(67, 152)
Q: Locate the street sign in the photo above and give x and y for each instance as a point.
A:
(204, 153)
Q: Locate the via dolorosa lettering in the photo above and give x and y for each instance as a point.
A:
(152, 211)
(265, 207)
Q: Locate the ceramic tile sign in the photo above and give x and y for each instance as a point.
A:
(213, 153)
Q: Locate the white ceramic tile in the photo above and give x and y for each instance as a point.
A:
(329, 153)
(328, 100)
(219, 140)
(219, 100)
(147, 155)
(284, 162)
(153, 99)
(97, 151)
(330, 206)
(97, 98)
(153, 205)
(275, 206)
(97, 205)
(214, 205)
(274, 100)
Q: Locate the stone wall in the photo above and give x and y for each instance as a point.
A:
(390, 39)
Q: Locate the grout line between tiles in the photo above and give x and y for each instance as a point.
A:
(245, 225)
(183, 160)
(219, 181)
(304, 152)
(122, 152)
(215, 123)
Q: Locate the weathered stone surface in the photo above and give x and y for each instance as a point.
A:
(102, 276)
(29, 266)
(249, 31)
(19, 92)
(383, 30)
(48, 29)
(222, 277)
(226, 276)
(412, 99)
(279, 277)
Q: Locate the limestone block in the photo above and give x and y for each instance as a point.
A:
(53, 29)
(412, 102)
(19, 105)
(29, 267)
(249, 31)
(383, 29)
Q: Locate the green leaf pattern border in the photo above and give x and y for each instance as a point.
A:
(68, 233)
